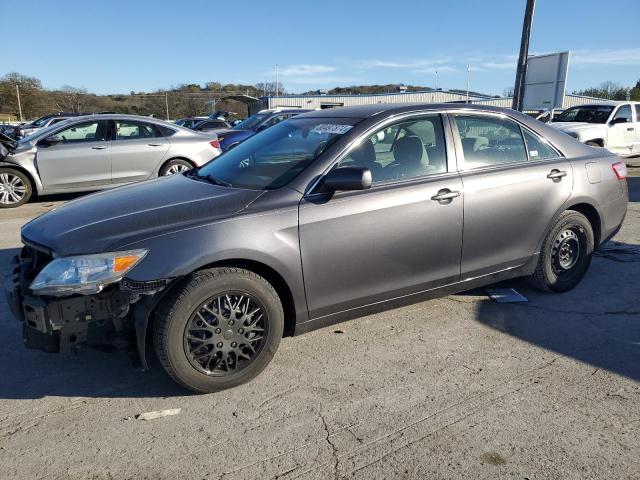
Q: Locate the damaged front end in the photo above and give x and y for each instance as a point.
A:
(101, 308)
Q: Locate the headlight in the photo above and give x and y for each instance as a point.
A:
(84, 274)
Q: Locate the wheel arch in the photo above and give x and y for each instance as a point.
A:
(592, 215)
(165, 162)
(599, 141)
(37, 187)
(144, 311)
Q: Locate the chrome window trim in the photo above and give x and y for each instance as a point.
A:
(521, 125)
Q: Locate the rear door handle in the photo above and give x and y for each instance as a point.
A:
(557, 174)
(101, 147)
(155, 144)
(445, 195)
(630, 129)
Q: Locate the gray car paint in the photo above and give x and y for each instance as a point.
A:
(99, 165)
(357, 250)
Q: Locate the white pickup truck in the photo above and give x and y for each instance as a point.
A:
(613, 125)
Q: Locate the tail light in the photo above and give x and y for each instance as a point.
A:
(215, 143)
(620, 169)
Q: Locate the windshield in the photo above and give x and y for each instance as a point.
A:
(274, 157)
(41, 121)
(587, 114)
(251, 122)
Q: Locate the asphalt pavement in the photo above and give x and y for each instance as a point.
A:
(458, 387)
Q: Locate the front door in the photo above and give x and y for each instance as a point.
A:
(401, 236)
(622, 136)
(514, 182)
(137, 150)
(82, 159)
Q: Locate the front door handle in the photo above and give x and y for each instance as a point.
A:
(155, 144)
(557, 174)
(445, 196)
(100, 147)
(630, 129)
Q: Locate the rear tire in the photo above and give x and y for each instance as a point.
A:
(593, 143)
(565, 255)
(174, 166)
(15, 188)
(220, 328)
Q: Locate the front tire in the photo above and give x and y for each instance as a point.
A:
(220, 328)
(15, 188)
(565, 255)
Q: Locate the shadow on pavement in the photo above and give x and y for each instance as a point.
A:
(597, 323)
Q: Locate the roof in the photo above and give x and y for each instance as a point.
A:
(404, 93)
(365, 111)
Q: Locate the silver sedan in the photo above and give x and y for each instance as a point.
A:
(95, 152)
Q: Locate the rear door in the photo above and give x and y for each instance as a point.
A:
(137, 150)
(514, 183)
(81, 160)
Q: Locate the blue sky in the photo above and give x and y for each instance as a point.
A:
(116, 46)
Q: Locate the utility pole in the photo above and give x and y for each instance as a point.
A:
(166, 104)
(468, 79)
(277, 86)
(19, 104)
(436, 79)
(521, 72)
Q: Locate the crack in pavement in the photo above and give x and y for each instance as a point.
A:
(334, 450)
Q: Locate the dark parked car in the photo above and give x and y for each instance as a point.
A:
(211, 125)
(309, 223)
(254, 124)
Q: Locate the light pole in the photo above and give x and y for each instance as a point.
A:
(277, 86)
(436, 79)
(19, 104)
(468, 79)
(521, 72)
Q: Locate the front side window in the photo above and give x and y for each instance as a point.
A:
(271, 159)
(490, 141)
(638, 112)
(537, 148)
(411, 148)
(128, 130)
(624, 112)
(95, 131)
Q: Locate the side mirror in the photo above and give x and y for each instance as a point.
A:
(52, 140)
(348, 178)
(618, 120)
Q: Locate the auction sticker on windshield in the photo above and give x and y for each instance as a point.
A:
(332, 128)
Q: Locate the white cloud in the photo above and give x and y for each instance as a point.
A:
(405, 64)
(306, 69)
(622, 56)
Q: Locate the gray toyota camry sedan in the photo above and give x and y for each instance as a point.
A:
(326, 216)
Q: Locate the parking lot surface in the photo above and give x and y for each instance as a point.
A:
(458, 387)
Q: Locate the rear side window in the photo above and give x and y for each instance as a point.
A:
(490, 141)
(128, 130)
(537, 148)
(165, 131)
(638, 112)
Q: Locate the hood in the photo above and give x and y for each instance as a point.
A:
(108, 220)
(577, 126)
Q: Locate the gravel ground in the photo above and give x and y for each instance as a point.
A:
(458, 387)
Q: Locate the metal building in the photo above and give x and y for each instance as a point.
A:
(429, 96)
